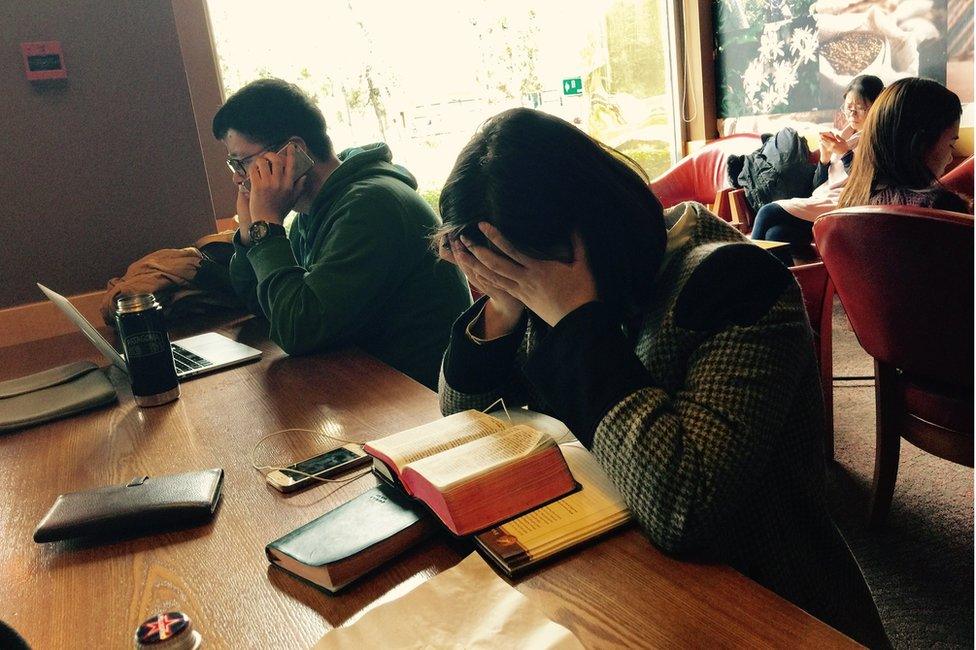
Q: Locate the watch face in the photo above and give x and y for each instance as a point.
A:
(258, 230)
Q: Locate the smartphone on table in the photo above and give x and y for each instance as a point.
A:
(331, 463)
(302, 161)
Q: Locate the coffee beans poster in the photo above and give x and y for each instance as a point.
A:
(789, 56)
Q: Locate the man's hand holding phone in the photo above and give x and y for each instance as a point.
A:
(274, 187)
(244, 213)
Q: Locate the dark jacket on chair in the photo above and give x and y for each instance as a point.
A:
(779, 169)
(705, 411)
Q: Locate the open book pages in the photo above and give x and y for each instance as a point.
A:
(595, 509)
(538, 421)
(474, 471)
(475, 458)
(428, 439)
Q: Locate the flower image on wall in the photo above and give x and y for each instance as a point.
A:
(775, 72)
(767, 57)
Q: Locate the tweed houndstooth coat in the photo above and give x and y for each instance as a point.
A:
(707, 415)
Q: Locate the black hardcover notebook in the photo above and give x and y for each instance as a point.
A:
(353, 539)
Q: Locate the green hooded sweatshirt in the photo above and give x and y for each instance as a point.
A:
(357, 270)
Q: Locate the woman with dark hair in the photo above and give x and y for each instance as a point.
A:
(676, 351)
(791, 220)
(907, 144)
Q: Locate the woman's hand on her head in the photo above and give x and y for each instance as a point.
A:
(502, 312)
(550, 288)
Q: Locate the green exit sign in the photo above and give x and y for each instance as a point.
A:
(573, 86)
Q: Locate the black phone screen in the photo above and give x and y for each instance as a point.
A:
(320, 463)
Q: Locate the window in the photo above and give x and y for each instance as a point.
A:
(422, 76)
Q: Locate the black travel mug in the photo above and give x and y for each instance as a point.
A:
(148, 353)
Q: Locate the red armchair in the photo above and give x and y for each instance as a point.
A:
(905, 278)
(702, 177)
(818, 298)
(959, 180)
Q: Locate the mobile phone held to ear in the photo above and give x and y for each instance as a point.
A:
(331, 463)
(302, 162)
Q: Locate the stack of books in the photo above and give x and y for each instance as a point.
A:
(522, 495)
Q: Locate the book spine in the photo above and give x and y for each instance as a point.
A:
(383, 468)
(310, 583)
(506, 547)
(424, 491)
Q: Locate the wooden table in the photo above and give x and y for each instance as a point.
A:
(616, 592)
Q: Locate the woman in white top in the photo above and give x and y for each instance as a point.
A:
(791, 220)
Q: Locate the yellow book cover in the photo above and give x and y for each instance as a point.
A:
(593, 510)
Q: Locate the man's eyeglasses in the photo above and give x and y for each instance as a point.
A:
(855, 110)
(240, 165)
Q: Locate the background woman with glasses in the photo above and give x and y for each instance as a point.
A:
(791, 220)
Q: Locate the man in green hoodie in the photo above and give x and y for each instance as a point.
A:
(355, 267)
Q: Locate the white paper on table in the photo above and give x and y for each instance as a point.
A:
(467, 606)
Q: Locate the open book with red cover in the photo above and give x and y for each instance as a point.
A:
(473, 470)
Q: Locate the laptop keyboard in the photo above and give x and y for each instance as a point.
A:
(186, 361)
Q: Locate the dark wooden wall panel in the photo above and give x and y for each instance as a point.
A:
(106, 167)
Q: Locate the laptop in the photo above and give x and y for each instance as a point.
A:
(195, 355)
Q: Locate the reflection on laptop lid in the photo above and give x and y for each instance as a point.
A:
(86, 328)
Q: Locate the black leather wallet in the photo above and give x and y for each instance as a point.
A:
(141, 506)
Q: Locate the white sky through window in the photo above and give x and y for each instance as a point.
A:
(423, 75)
